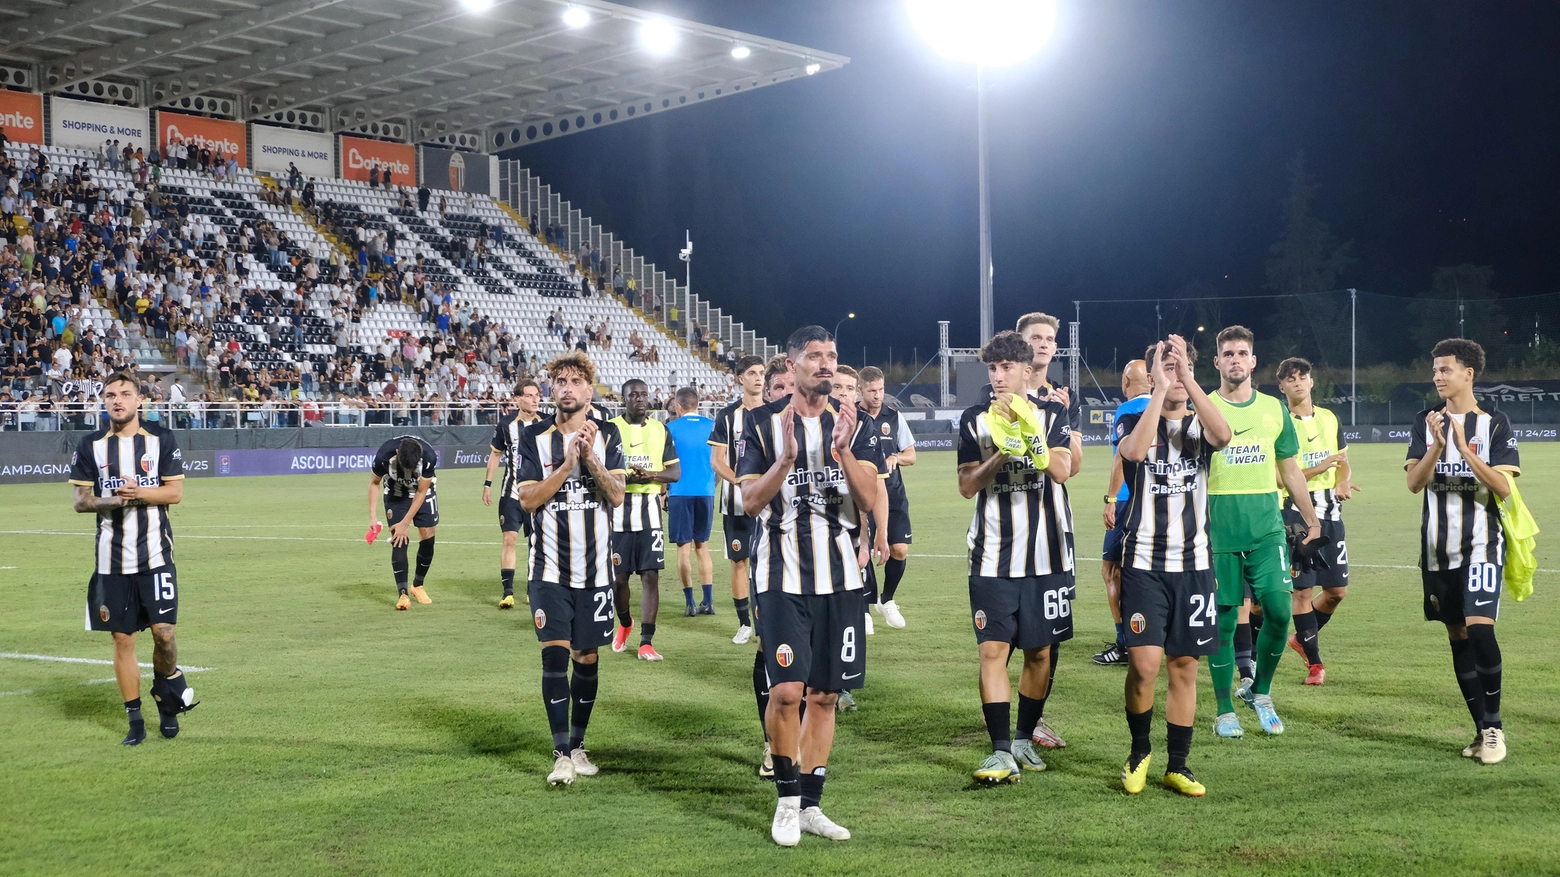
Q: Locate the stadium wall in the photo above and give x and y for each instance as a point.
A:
(33, 457)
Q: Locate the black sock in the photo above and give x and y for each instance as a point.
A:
(647, 633)
(1245, 660)
(1486, 663)
(1140, 724)
(133, 711)
(555, 694)
(398, 565)
(688, 595)
(424, 560)
(1305, 631)
(812, 788)
(507, 577)
(1179, 740)
(1468, 680)
(999, 719)
(709, 593)
(893, 571)
(1322, 618)
(761, 691)
(742, 611)
(625, 617)
(1050, 681)
(582, 691)
(787, 779)
(1029, 710)
(1256, 623)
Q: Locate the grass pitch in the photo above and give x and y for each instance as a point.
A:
(336, 735)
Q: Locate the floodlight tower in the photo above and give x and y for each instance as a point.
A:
(986, 33)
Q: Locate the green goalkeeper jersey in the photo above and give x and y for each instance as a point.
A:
(1243, 500)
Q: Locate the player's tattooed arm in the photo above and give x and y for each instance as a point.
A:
(608, 485)
(171, 493)
(87, 503)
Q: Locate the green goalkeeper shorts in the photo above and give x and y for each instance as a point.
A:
(1263, 569)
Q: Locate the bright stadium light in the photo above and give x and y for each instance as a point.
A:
(741, 52)
(991, 33)
(657, 35)
(814, 67)
(477, 6)
(576, 16)
(986, 33)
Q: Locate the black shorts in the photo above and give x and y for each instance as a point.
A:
(582, 616)
(817, 639)
(427, 516)
(899, 525)
(1336, 575)
(688, 518)
(740, 532)
(638, 551)
(1177, 611)
(511, 517)
(1115, 542)
(1453, 596)
(1028, 613)
(128, 603)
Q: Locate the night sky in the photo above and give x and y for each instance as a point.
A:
(1141, 155)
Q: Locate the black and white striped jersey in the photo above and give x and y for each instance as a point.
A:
(571, 536)
(1167, 515)
(1022, 520)
(506, 441)
(805, 541)
(727, 435)
(1460, 522)
(397, 484)
(131, 539)
(894, 435)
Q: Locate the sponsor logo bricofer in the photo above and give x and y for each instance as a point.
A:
(227, 146)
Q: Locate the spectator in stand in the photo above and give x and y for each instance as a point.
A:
(373, 176)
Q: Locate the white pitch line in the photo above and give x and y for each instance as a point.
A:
(19, 691)
(60, 659)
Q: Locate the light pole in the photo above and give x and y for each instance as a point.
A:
(849, 316)
(986, 33)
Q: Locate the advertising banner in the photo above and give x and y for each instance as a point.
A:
(21, 116)
(213, 134)
(48, 459)
(458, 171)
(85, 125)
(314, 154)
(359, 155)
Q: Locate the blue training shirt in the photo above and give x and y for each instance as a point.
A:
(691, 434)
(1135, 405)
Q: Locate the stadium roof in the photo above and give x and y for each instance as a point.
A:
(418, 70)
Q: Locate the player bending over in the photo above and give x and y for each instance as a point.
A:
(506, 446)
(1167, 584)
(1324, 460)
(1460, 458)
(128, 473)
(1020, 559)
(638, 544)
(404, 472)
(571, 475)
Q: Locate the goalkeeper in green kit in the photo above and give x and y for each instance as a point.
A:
(1247, 528)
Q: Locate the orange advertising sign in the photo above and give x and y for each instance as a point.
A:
(213, 134)
(21, 115)
(360, 155)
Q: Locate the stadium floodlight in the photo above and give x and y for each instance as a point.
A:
(576, 16)
(813, 67)
(741, 52)
(986, 33)
(990, 33)
(658, 35)
(477, 6)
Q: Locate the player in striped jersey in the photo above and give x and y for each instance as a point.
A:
(1020, 552)
(571, 475)
(506, 446)
(899, 450)
(738, 528)
(873, 538)
(1461, 457)
(1168, 591)
(404, 470)
(1324, 461)
(806, 473)
(128, 473)
(638, 544)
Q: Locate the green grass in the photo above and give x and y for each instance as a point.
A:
(338, 736)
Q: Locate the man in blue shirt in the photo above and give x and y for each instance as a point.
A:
(1136, 387)
(691, 499)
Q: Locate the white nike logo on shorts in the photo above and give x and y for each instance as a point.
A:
(1055, 630)
(1203, 642)
(170, 609)
(850, 675)
(1482, 602)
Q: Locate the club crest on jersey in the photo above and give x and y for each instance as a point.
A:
(1138, 622)
(784, 656)
(884, 426)
(541, 619)
(980, 619)
(146, 463)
